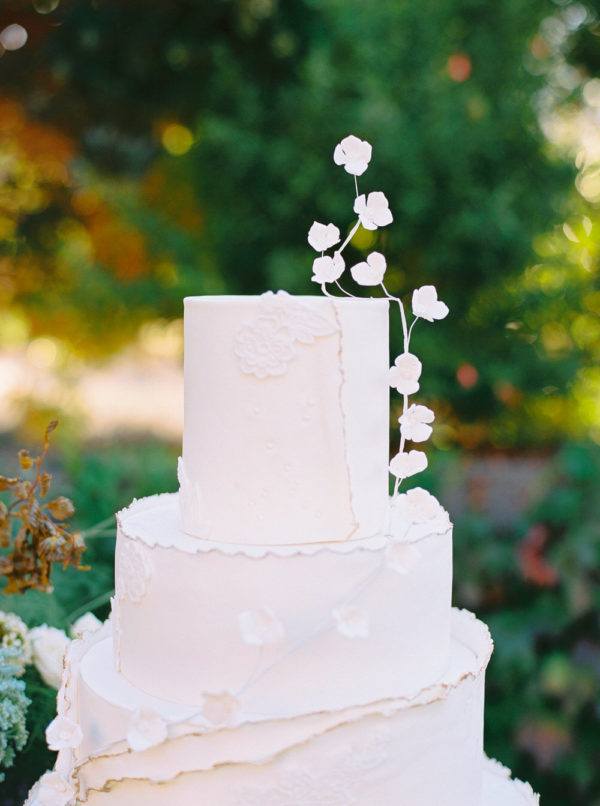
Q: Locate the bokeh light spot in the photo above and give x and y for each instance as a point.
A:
(45, 6)
(467, 376)
(459, 67)
(42, 353)
(13, 37)
(177, 139)
(363, 239)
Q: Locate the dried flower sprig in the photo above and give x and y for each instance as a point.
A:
(373, 211)
(33, 532)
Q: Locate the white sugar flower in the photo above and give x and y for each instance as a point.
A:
(62, 733)
(405, 464)
(373, 210)
(354, 154)
(426, 305)
(328, 269)
(52, 789)
(146, 729)
(371, 271)
(323, 236)
(414, 423)
(402, 557)
(85, 625)
(49, 645)
(220, 708)
(260, 627)
(421, 506)
(351, 621)
(404, 375)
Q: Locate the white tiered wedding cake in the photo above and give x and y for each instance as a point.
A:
(281, 632)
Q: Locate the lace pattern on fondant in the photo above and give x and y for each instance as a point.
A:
(133, 570)
(266, 345)
(334, 783)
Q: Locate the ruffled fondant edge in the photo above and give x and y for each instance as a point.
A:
(413, 533)
(493, 767)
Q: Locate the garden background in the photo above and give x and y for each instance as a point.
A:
(153, 150)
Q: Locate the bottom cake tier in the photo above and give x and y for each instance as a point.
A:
(121, 746)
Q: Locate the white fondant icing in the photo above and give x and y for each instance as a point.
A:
(194, 600)
(138, 521)
(439, 728)
(315, 439)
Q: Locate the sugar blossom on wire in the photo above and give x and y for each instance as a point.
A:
(371, 271)
(405, 464)
(328, 269)
(373, 211)
(354, 154)
(425, 304)
(404, 375)
(323, 236)
(414, 423)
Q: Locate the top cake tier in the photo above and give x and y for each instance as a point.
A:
(286, 419)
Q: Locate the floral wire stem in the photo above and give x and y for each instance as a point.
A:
(373, 212)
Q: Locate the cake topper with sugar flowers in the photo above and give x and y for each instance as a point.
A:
(373, 211)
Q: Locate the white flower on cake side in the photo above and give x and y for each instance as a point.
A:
(402, 557)
(422, 506)
(146, 729)
(351, 621)
(85, 625)
(220, 708)
(373, 211)
(62, 734)
(52, 789)
(260, 627)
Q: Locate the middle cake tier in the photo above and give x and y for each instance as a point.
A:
(287, 630)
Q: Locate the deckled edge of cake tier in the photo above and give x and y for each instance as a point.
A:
(467, 630)
(412, 533)
(491, 767)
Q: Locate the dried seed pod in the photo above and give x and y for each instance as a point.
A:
(25, 459)
(61, 508)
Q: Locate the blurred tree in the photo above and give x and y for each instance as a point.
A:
(203, 133)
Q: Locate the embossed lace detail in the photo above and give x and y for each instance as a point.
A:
(333, 783)
(266, 345)
(133, 571)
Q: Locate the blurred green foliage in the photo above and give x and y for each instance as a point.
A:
(185, 148)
